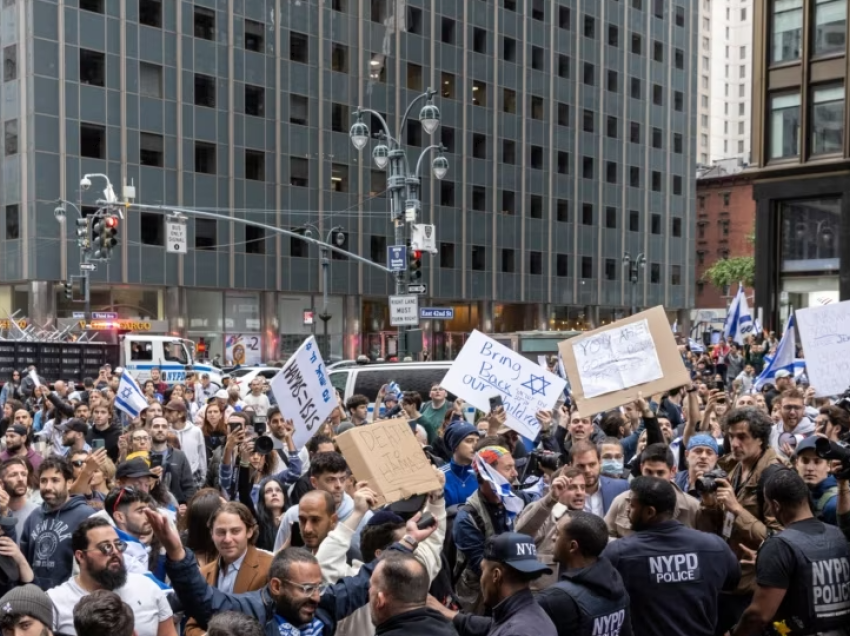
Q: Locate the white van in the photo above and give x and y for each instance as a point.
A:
(173, 356)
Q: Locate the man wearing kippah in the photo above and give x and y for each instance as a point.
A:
(26, 611)
(701, 456)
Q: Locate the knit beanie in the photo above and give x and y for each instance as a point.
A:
(28, 600)
(457, 432)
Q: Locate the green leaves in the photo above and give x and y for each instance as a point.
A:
(729, 271)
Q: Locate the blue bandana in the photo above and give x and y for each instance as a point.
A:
(314, 628)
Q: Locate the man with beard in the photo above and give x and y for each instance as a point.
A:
(100, 555)
(46, 537)
(672, 573)
(18, 446)
(74, 437)
(177, 473)
(14, 473)
(126, 506)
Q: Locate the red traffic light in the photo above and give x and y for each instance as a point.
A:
(111, 222)
(417, 254)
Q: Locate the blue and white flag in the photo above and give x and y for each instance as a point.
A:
(739, 320)
(695, 346)
(783, 360)
(513, 504)
(129, 397)
(675, 326)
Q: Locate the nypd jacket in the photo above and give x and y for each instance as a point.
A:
(674, 575)
(517, 615)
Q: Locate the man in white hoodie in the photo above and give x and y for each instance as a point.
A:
(793, 426)
(191, 440)
(427, 548)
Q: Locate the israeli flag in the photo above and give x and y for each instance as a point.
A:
(739, 320)
(783, 360)
(129, 397)
(675, 326)
(695, 346)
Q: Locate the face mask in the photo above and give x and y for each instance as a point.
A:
(612, 466)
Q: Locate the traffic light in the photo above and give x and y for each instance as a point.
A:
(82, 230)
(69, 290)
(105, 236)
(414, 265)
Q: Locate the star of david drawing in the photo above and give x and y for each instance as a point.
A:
(535, 382)
(126, 393)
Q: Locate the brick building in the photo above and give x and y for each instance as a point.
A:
(726, 215)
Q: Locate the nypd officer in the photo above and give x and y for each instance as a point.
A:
(672, 573)
(589, 599)
(802, 573)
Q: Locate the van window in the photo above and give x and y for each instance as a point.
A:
(339, 380)
(175, 352)
(369, 381)
(140, 350)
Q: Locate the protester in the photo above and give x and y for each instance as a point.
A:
(103, 613)
(26, 611)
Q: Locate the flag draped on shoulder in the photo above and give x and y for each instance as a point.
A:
(482, 465)
(739, 320)
(783, 360)
(129, 397)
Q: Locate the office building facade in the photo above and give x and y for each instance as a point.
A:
(568, 126)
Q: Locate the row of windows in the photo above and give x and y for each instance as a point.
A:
(827, 28)
(826, 122)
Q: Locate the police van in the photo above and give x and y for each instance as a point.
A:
(172, 356)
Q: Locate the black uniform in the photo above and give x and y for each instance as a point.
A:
(811, 560)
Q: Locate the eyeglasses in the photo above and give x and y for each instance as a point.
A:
(308, 589)
(108, 549)
(792, 407)
(141, 438)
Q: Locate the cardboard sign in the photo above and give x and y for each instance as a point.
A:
(825, 335)
(485, 369)
(304, 392)
(608, 367)
(388, 456)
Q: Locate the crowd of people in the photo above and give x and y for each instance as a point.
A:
(710, 509)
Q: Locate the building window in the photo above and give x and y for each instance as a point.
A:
(613, 81)
(299, 172)
(204, 23)
(656, 181)
(634, 87)
(205, 234)
(827, 119)
(377, 248)
(10, 132)
(587, 267)
(588, 120)
(299, 109)
(563, 211)
(657, 95)
(447, 255)
(13, 222)
(92, 67)
(611, 171)
(610, 269)
(637, 44)
(679, 101)
(508, 202)
(589, 74)
(537, 59)
(589, 26)
(509, 101)
(787, 30)
(150, 80)
(536, 158)
(255, 100)
(563, 162)
(680, 59)
(680, 16)
(784, 126)
(612, 127)
(564, 17)
(655, 273)
(340, 118)
(10, 63)
(634, 176)
(537, 108)
(657, 138)
(562, 265)
(611, 218)
(634, 132)
(205, 157)
(255, 165)
(564, 66)
(299, 47)
(677, 143)
(479, 146)
(447, 30)
(613, 35)
(447, 193)
(377, 183)
(414, 20)
(535, 206)
(479, 198)
(830, 23)
(676, 275)
(150, 13)
(537, 11)
(587, 214)
(151, 226)
(254, 34)
(563, 114)
(508, 49)
(204, 90)
(92, 140)
(151, 150)
(587, 167)
(535, 263)
(508, 151)
(676, 226)
(255, 240)
(677, 184)
(634, 221)
(657, 51)
(95, 6)
(339, 58)
(479, 93)
(339, 177)
(508, 261)
(655, 223)
(479, 258)
(479, 40)
(809, 234)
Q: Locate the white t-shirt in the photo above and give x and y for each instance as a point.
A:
(147, 600)
(592, 504)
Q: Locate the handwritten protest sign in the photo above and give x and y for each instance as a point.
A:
(484, 368)
(608, 367)
(388, 456)
(825, 334)
(303, 391)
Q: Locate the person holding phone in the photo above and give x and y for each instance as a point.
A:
(177, 473)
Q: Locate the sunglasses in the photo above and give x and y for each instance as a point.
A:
(108, 549)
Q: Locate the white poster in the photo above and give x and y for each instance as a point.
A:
(484, 369)
(617, 359)
(824, 332)
(243, 349)
(303, 391)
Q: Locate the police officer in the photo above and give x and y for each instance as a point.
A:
(590, 598)
(803, 572)
(672, 573)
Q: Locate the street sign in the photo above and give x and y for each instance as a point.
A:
(88, 267)
(424, 237)
(417, 288)
(396, 258)
(404, 310)
(437, 313)
(175, 237)
(78, 315)
(104, 315)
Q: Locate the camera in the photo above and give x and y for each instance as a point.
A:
(827, 449)
(538, 461)
(707, 484)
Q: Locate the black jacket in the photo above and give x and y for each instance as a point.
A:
(178, 475)
(110, 439)
(601, 580)
(418, 622)
(517, 615)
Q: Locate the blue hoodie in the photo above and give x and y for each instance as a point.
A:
(828, 514)
(46, 540)
(461, 482)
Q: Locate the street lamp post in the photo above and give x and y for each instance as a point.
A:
(633, 269)
(325, 316)
(402, 184)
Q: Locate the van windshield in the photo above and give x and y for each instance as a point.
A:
(175, 351)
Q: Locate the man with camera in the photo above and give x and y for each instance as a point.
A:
(733, 506)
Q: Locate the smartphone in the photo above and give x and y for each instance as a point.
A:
(495, 403)
(426, 521)
(234, 426)
(297, 540)
(156, 460)
(98, 442)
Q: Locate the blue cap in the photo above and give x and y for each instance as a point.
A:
(703, 440)
(517, 551)
(809, 443)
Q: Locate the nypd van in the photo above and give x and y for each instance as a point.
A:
(173, 356)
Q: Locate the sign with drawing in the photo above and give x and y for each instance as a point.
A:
(485, 369)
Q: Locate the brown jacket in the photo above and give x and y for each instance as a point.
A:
(618, 522)
(252, 576)
(539, 520)
(752, 525)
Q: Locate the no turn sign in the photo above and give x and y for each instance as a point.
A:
(175, 237)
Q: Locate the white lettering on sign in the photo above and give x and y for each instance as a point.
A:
(609, 625)
(831, 587)
(675, 568)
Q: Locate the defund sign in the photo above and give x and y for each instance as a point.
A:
(484, 369)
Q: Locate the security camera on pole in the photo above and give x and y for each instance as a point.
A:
(405, 206)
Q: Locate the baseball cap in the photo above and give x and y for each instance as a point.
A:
(17, 429)
(133, 468)
(77, 425)
(517, 551)
(809, 443)
(782, 373)
(176, 405)
(221, 394)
